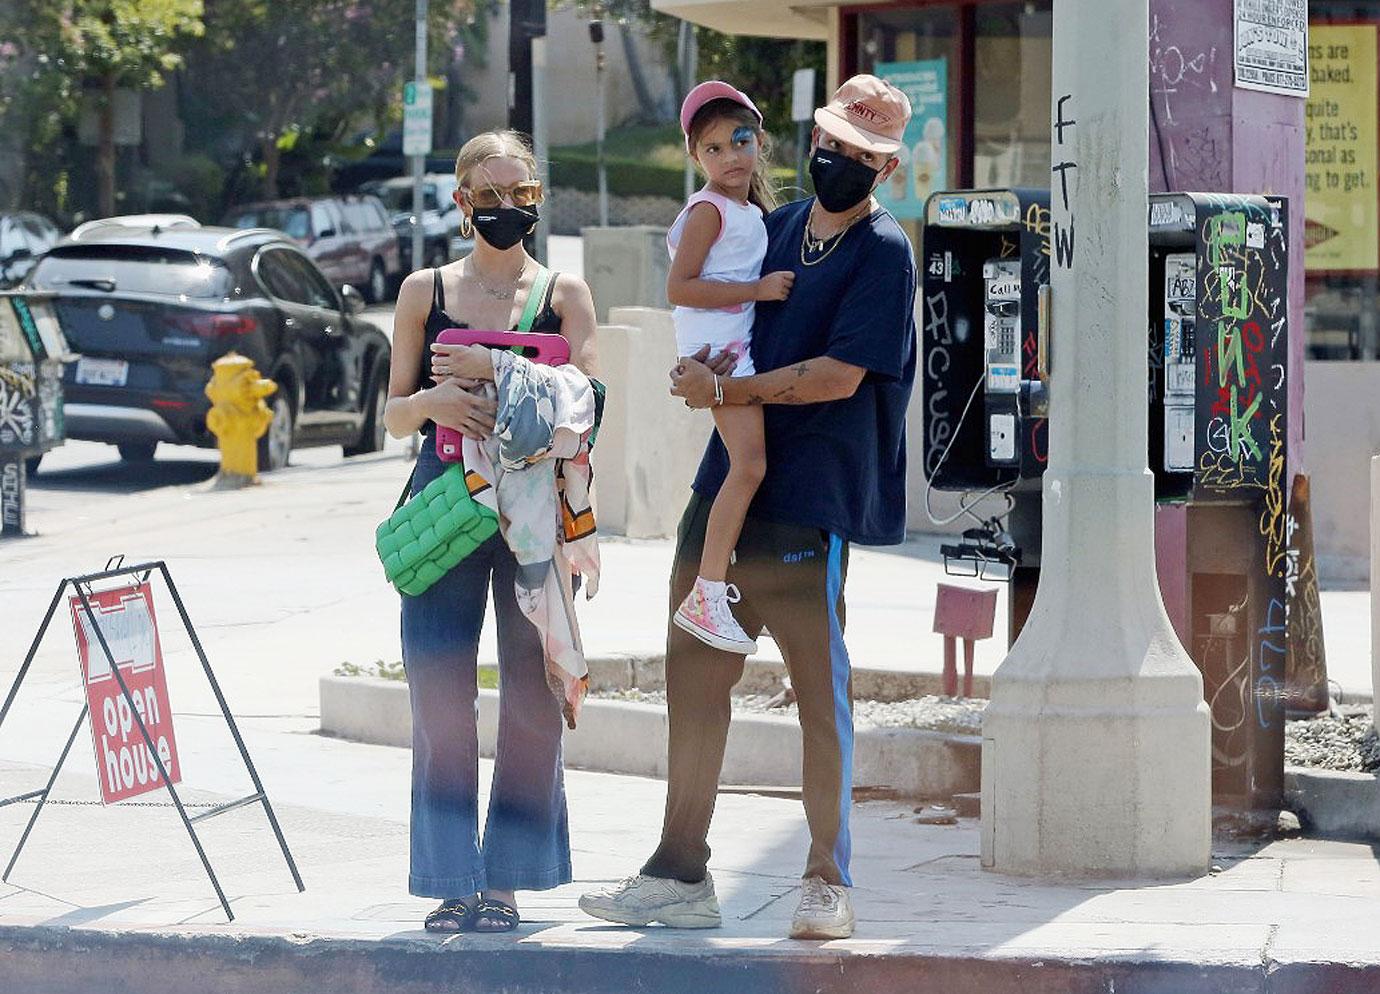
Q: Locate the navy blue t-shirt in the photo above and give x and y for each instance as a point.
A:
(840, 465)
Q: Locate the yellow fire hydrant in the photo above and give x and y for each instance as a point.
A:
(238, 416)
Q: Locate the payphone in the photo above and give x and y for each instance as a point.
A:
(986, 273)
(1218, 425)
(32, 352)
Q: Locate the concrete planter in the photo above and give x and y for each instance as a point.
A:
(1334, 803)
(631, 738)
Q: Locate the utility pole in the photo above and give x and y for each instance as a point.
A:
(689, 51)
(422, 91)
(1095, 753)
(526, 20)
(596, 35)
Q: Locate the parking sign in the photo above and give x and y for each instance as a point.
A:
(416, 118)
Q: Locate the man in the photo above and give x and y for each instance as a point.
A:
(841, 355)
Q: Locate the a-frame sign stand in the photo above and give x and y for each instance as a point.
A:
(82, 586)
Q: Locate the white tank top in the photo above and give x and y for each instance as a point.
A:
(735, 257)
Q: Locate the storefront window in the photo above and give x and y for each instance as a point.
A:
(1341, 201)
(1012, 63)
(978, 77)
(918, 50)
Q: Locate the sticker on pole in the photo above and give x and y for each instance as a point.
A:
(125, 766)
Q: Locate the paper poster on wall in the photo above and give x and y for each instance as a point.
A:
(1341, 209)
(924, 151)
(1271, 40)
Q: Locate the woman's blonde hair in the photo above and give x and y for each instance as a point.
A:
(761, 189)
(493, 145)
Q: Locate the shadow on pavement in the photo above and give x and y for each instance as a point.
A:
(121, 477)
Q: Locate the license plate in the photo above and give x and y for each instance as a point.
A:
(102, 372)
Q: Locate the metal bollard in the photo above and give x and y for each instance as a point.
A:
(238, 416)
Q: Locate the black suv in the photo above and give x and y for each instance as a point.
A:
(150, 307)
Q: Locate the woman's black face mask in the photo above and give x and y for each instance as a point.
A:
(504, 227)
(840, 182)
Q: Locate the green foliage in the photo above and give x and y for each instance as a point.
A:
(488, 675)
(642, 161)
(200, 180)
(760, 67)
(135, 41)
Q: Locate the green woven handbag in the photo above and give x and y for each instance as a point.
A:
(424, 538)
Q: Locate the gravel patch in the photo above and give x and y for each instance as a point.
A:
(954, 715)
(1342, 740)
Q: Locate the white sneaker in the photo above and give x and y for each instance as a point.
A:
(825, 911)
(642, 900)
(706, 614)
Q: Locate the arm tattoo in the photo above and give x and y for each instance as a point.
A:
(756, 398)
(786, 394)
(802, 369)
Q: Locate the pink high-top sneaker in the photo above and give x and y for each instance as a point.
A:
(705, 614)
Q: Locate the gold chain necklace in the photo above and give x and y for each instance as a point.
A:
(498, 293)
(814, 246)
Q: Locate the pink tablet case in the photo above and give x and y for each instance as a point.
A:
(547, 349)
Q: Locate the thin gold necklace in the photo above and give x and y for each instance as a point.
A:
(498, 293)
(810, 245)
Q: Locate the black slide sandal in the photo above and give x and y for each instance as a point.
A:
(451, 916)
(494, 912)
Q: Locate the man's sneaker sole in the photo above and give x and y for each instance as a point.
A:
(712, 640)
(690, 914)
(841, 931)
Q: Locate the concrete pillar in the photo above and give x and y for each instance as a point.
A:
(1096, 742)
(1375, 585)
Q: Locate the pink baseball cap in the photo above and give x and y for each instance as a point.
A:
(713, 89)
(867, 112)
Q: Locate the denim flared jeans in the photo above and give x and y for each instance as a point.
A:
(526, 838)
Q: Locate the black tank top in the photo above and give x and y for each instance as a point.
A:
(547, 322)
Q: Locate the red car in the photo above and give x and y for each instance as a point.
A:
(351, 239)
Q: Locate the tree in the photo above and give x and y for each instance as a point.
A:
(109, 44)
(280, 68)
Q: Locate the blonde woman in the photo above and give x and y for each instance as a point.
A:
(525, 842)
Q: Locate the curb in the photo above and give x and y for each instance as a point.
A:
(79, 960)
(1335, 803)
(631, 738)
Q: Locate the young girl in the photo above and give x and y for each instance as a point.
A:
(717, 246)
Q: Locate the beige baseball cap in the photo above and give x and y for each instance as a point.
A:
(867, 112)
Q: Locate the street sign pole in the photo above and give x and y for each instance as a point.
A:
(417, 127)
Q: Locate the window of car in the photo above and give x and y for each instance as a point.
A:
(317, 288)
(42, 234)
(279, 277)
(134, 269)
(324, 221)
(359, 217)
(381, 219)
(292, 221)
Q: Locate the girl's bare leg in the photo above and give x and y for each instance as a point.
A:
(742, 434)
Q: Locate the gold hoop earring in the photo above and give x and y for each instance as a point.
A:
(466, 226)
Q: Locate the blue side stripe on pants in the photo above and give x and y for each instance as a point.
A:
(843, 715)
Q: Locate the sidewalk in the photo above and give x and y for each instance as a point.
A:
(266, 568)
(281, 593)
(115, 900)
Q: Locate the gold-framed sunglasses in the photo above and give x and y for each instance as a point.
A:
(528, 193)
